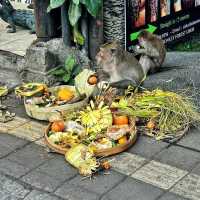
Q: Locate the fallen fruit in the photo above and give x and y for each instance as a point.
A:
(105, 164)
(123, 140)
(92, 80)
(151, 124)
(65, 94)
(120, 120)
(58, 126)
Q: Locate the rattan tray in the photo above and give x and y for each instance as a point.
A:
(43, 113)
(99, 153)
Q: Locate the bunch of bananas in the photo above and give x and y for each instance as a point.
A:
(96, 118)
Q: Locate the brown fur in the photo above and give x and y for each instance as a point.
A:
(119, 64)
(153, 51)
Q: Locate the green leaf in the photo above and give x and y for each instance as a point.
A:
(71, 82)
(74, 13)
(93, 6)
(77, 69)
(66, 78)
(55, 4)
(78, 37)
(70, 62)
(57, 71)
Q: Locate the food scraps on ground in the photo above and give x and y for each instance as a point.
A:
(5, 115)
(3, 91)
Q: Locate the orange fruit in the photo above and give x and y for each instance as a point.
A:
(65, 94)
(92, 80)
(58, 126)
(120, 120)
(106, 164)
(151, 124)
(123, 140)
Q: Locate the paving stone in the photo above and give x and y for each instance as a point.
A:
(58, 168)
(7, 196)
(133, 189)
(30, 131)
(71, 192)
(30, 156)
(4, 150)
(12, 168)
(189, 187)
(11, 141)
(147, 147)
(192, 139)
(41, 142)
(171, 196)
(179, 157)
(160, 175)
(16, 122)
(196, 170)
(12, 188)
(100, 185)
(37, 195)
(127, 163)
(41, 181)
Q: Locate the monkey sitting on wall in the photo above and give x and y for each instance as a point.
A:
(119, 68)
(152, 51)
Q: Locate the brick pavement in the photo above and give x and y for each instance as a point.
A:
(150, 170)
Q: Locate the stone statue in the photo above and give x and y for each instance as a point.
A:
(23, 18)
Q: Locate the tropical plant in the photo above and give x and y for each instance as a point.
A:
(68, 72)
(75, 11)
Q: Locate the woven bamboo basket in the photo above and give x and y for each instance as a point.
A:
(43, 113)
(98, 153)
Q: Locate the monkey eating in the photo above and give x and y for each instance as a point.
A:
(152, 51)
(119, 67)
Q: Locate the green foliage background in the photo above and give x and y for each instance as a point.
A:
(75, 12)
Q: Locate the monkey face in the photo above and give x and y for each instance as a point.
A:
(141, 41)
(103, 56)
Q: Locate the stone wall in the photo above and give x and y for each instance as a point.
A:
(10, 65)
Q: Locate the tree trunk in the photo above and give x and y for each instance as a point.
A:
(66, 33)
(45, 24)
(96, 37)
(84, 31)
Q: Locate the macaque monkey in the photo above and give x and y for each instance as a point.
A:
(152, 51)
(120, 67)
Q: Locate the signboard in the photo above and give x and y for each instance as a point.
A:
(172, 20)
